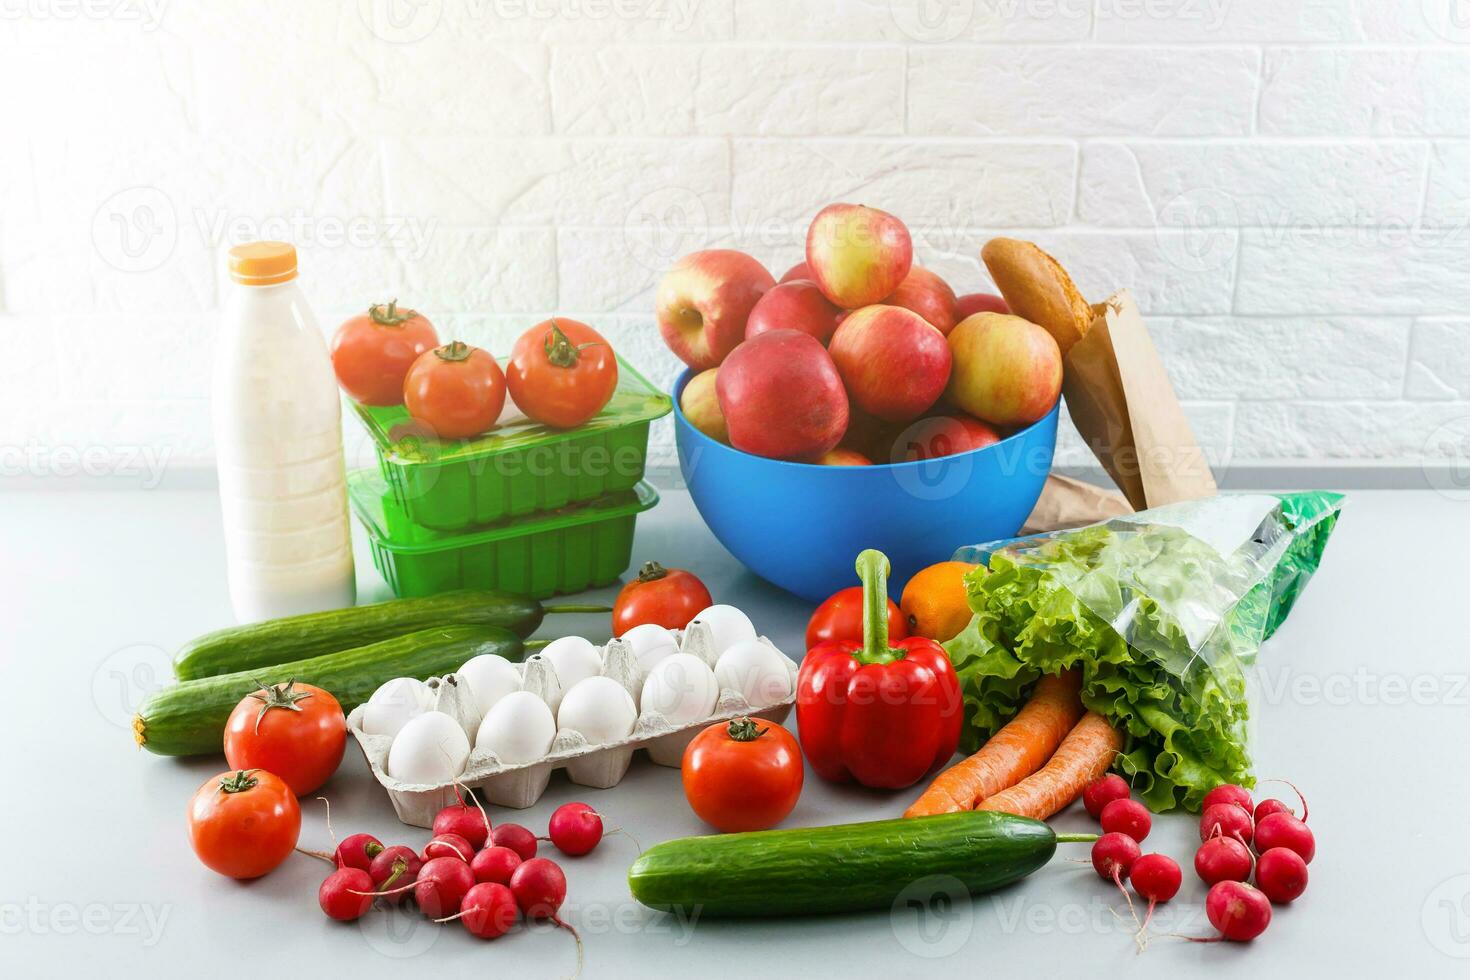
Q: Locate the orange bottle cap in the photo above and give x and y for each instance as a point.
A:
(263, 263)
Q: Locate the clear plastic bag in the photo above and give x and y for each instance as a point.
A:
(1163, 611)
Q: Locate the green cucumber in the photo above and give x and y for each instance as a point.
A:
(275, 641)
(189, 718)
(846, 868)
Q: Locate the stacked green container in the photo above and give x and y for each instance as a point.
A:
(524, 508)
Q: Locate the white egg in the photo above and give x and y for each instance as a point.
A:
(755, 670)
(394, 703)
(519, 729)
(431, 749)
(727, 625)
(600, 708)
(650, 643)
(574, 658)
(490, 677)
(681, 688)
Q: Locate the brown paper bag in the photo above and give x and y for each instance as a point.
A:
(1123, 405)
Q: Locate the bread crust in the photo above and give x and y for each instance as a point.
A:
(1035, 286)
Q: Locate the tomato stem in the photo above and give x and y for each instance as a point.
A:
(455, 350)
(560, 350)
(744, 730)
(281, 696)
(652, 571)
(238, 782)
(389, 315)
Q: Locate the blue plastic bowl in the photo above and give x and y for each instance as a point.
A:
(801, 526)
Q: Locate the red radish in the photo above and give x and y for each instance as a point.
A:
(575, 828)
(1240, 912)
(1099, 793)
(441, 885)
(1222, 859)
(1229, 793)
(358, 851)
(449, 845)
(495, 864)
(1155, 877)
(1227, 819)
(540, 887)
(1126, 817)
(346, 894)
(394, 867)
(1113, 856)
(1281, 875)
(1267, 807)
(515, 837)
(469, 822)
(1284, 830)
(487, 910)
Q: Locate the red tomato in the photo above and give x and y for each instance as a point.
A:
(561, 373)
(841, 618)
(670, 597)
(742, 775)
(296, 731)
(456, 390)
(243, 824)
(373, 351)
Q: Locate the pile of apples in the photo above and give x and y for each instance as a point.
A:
(856, 355)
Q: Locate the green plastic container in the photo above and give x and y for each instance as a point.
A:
(520, 467)
(568, 550)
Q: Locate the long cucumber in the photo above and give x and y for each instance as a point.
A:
(844, 868)
(255, 645)
(189, 717)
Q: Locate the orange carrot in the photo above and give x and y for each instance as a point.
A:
(1020, 748)
(1084, 755)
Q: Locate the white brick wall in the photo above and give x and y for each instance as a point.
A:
(1284, 184)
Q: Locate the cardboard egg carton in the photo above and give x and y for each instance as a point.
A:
(598, 766)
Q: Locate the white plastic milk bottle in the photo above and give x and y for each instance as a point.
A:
(278, 444)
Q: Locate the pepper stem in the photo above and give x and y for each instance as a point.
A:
(872, 568)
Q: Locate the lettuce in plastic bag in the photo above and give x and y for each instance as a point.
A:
(1162, 610)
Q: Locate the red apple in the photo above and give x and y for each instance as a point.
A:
(857, 254)
(794, 305)
(703, 303)
(797, 271)
(894, 363)
(927, 295)
(945, 435)
(701, 406)
(782, 396)
(842, 457)
(971, 303)
(1007, 370)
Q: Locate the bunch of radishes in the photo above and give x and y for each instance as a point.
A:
(1229, 822)
(484, 876)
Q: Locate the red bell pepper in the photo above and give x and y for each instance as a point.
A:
(882, 714)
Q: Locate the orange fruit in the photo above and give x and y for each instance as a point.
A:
(934, 600)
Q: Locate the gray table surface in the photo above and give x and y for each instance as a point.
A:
(1364, 704)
